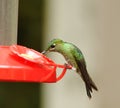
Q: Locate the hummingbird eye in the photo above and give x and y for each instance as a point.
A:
(52, 46)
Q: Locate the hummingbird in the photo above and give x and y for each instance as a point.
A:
(75, 58)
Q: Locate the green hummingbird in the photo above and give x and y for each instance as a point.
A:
(75, 58)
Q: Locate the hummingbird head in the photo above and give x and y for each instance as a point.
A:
(53, 45)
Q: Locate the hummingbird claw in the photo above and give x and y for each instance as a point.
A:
(67, 66)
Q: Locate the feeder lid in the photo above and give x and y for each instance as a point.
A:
(19, 63)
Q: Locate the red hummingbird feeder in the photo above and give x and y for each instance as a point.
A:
(22, 64)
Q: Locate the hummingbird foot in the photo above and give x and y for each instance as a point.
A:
(69, 66)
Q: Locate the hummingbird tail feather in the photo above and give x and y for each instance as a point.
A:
(89, 86)
(86, 78)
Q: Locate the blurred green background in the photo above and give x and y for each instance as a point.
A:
(30, 23)
(30, 27)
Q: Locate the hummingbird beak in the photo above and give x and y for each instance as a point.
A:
(43, 52)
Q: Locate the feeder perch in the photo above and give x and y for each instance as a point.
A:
(22, 64)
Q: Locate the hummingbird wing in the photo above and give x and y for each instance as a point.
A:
(84, 74)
